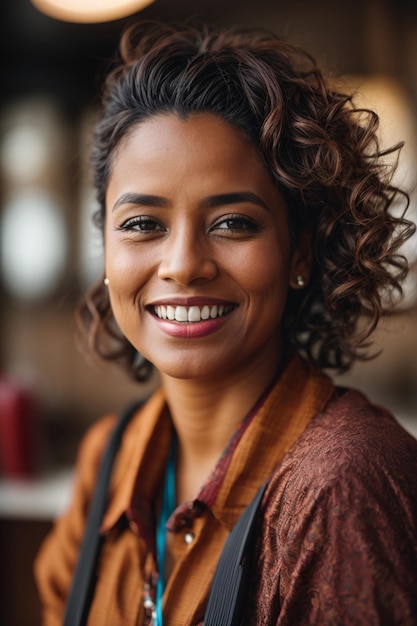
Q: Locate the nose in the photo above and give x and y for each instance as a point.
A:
(187, 258)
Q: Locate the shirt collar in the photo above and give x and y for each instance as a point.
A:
(141, 460)
(300, 393)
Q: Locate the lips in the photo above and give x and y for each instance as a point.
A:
(191, 314)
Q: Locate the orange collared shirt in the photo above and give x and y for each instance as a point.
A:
(337, 541)
(200, 528)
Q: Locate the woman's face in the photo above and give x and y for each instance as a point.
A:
(197, 249)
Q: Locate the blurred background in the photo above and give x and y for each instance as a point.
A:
(50, 75)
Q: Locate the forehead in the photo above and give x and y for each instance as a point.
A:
(191, 128)
(161, 144)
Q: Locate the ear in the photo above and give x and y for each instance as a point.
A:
(301, 261)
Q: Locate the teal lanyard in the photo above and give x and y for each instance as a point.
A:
(168, 506)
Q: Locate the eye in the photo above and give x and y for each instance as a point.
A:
(236, 224)
(142, 224)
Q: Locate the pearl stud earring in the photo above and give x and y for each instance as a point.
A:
(106, 281)
(300, 281)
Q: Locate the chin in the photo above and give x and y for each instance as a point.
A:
(189, 369)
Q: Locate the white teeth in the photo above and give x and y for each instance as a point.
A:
(213, 312)
(205, 312)
(181, 314)
(192, 313)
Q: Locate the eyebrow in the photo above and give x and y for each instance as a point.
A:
(143, 199)
(237, 197)
(222, 199)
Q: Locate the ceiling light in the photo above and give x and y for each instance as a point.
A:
(89, 11)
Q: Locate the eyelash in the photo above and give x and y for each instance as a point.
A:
(137, 223)
(235, 223)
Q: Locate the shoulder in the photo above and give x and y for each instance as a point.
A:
(351, 452)
(352, 435)
(96, 437)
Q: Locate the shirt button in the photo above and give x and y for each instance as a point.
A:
(189, 538)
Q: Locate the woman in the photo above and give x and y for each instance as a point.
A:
(249, 245)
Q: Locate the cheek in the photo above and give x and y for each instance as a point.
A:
(126, 282)
(263, 270)
(125, 268)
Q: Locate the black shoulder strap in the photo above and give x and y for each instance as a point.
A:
(226, 599)
(84, 578)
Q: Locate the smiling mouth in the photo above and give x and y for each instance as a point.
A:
(191, 314)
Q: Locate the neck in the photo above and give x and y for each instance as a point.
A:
(205, 414)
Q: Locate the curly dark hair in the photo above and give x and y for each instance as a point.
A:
(321, 151)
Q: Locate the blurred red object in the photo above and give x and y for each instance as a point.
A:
(19, 430)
